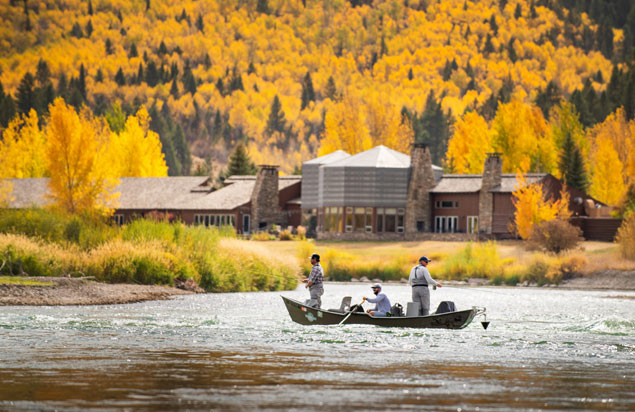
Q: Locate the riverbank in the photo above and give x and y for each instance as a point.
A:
(82, 291)
(77, 291)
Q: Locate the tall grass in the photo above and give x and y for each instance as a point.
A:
(144, 252)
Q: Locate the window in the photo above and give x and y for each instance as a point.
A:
(349, 219)
(380, 219)
(472, 224)
(446, 224)
(118, 219)
(390, 220)
(359, 219)
(446, 204)
(246, 221)
(400, 213)
(369, 219)
(214, 220)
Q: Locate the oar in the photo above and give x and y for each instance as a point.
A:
(349, 313)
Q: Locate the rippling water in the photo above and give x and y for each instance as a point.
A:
(546, 349)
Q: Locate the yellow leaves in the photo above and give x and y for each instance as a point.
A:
(532, 207)
(77, 160)
(345, 128)
(5, 193)
(22, 148)
(520, 133)
(612, 157)
(136, 151)
(468, 146)
(607, 182)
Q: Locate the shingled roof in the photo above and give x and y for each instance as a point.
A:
(160, 193)
(472, 183)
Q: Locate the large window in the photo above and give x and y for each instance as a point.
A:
(118, 219)
(359, 219)
(446, 224)
(214, 220)
(390, 219)
(380, 219)
(349, 219)
(332, 219)
(472, 224)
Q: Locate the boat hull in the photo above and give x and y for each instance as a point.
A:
(307, 315)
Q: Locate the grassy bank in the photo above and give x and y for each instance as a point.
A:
(507, 263)
(41, 243)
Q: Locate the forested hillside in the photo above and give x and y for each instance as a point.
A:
(292, 79)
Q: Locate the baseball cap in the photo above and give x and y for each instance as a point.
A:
(425, 259)
(315, 256)
(375, 285)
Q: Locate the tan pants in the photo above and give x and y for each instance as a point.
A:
(421, 294)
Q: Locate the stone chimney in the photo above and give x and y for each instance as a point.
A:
(265, 202)
(492, 176)
(418, 208)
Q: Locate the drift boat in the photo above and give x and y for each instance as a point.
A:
(307, 315)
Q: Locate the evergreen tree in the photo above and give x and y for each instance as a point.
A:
(42, 73)
(81, 81)
(488, 47)
(493, 26)
(7, 108)
(76, 31)
(189, 81)
(263, 6)
(571, 165)
(433, 128)
(308, 94)
(152, 74)
(199, 24)
(90, 7)
(410, 74)
(120, 78)
(548, 98)
(163, 49)
(276, 121)
(174, 89)
(162, 124)
(140, 75)
(236, 82)
(239, 163)
(220, 86)
(26, 94)
(133, 51)
(89, 28)
(519, 11)
(108, 47)
(62, 86)
(330, 90)
(182, 151)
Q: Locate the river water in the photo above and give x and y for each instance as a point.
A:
(545, 349)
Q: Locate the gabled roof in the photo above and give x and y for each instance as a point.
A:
(378, 156)
(160, 192)
(329, 158)
(472, 183)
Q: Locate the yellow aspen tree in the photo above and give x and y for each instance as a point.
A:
(5, 193)
(607, 179)
(136, 150)
(22, 149)
(520, 132)
(386, 126)
(76, 153)
(532, 207)
(469, 144)
(345, 129)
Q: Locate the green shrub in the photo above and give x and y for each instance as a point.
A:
(626, 237)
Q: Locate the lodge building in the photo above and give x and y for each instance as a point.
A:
(379, 194)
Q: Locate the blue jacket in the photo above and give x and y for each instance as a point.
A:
(382, 304)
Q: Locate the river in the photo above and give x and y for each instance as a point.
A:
(545, 349)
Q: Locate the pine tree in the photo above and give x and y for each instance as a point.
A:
(182, 151)
(199, 24)
(76, 31)
(263, 6)
(571, 165)
(276, 121)
(108, 47)
(174, 89)
(519, 11)
(163, 49)
(89, 28)
(90, 7)
(239, 163)
(7, 108)
(81, 81)
(133, 51)
(548, 98)
(152, 74)
(308, 94)
(330, 90)
(26, 94)
(120, 78)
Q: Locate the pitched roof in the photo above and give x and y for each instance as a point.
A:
(378, 156)
(329, 158)
(472, 183)
(148, 193)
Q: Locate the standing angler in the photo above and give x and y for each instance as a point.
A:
(419, 279)
(315, 282)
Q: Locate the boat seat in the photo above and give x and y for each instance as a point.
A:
(344, 306)
(412, 309)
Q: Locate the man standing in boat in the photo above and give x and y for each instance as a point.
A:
(315, 282)
(420, 279)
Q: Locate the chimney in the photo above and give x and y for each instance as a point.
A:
(492, 176)
(265, 202)
(418, 208)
